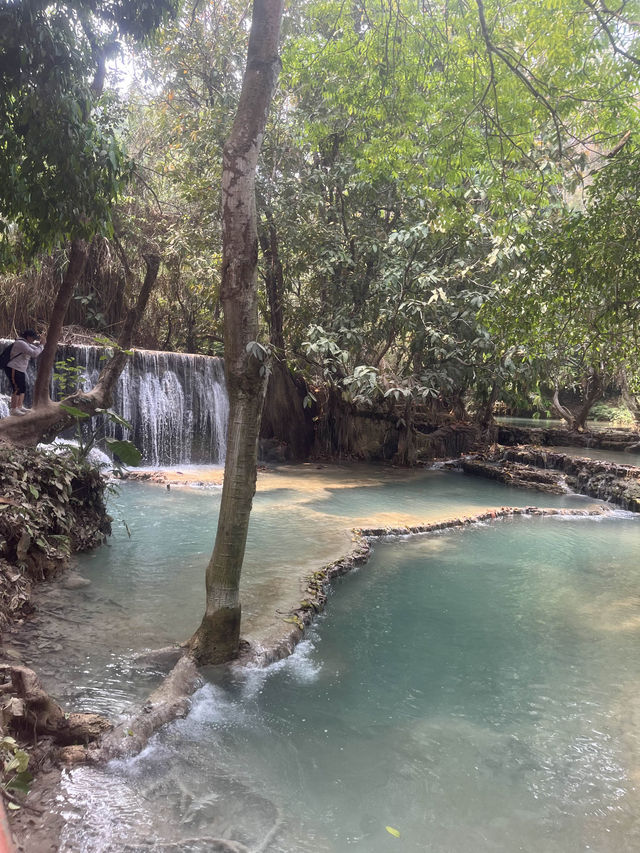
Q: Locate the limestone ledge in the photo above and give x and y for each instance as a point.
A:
(546, 470)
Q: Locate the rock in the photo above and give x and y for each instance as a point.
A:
(12, 654)
(516, 473)
(71, 755)
(597, 478)
(75, 581)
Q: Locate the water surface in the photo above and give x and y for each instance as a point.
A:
(619, 456)
(474, 690)
(147, 589)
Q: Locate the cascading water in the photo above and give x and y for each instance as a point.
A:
(176, 403)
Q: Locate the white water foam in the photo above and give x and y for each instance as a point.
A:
(176, 403)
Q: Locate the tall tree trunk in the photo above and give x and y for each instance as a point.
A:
(407, 450)
(593, 389)
(274, 282)
(484, 415)
(77, 261)
(217, 639)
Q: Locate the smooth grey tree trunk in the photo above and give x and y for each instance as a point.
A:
(218, 637)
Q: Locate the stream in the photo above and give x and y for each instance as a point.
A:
(475, 689)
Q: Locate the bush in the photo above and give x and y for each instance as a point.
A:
(617, 415)
(50, 506)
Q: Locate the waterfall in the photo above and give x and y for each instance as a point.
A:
(176, 403)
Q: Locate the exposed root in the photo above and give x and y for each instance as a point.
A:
(168, 702)
(30, 711)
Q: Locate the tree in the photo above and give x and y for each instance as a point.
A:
(217, 638)
(177, 129)
(390, 202)
(412, 184)
(571, 301)
(61, 167)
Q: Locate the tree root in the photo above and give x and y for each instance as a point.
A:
(168, 702)
(32, 712)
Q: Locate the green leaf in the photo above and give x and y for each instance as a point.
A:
(115, 418)
(73, 411)
(127, 452)
(20, 782)
(392, 831)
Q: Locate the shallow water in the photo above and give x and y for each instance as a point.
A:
(474, 690)
(147, 589)
(598, 453)
(548, 423)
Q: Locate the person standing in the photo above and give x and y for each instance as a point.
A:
(26, 347)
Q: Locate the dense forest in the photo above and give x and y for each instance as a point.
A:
(446, 196)
(390, 219)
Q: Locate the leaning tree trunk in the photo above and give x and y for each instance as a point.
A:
(593, 389)
(562, 411)
(218, 637)
(77, 261)
(44, 423)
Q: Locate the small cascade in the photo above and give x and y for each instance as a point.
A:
(176, 403)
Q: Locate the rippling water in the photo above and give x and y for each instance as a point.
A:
(474, 690)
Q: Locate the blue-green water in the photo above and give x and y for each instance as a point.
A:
(430, 494)
(474, 690)
(599, 453)
(147, 589)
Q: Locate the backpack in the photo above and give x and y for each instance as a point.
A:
(5, 356)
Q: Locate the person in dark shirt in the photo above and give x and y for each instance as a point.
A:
(26, 347)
